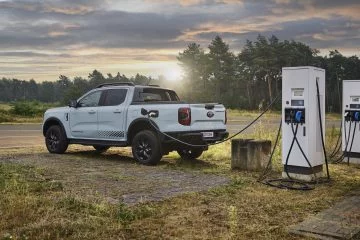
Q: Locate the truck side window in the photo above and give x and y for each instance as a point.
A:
(151, 94)
(173, 96)
(90, 100)
(114, 97)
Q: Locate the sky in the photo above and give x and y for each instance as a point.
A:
(41, 39)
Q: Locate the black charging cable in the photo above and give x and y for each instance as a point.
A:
(352, 141)
(290, 149)
(224, 140)
(347, 140)
(268, 165)
(338, 143)
(321, 130)
(302, 151)
(290, 183)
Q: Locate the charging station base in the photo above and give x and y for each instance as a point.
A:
(303, 173)
(353, 160)
(354, 157)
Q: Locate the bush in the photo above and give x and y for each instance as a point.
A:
(29, 109)
(5, 117)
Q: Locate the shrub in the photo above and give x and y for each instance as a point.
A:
(5, 117)
(29, 109)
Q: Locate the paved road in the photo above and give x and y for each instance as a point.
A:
(24, 135)
(27, 135)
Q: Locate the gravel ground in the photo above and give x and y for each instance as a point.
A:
(116, 176)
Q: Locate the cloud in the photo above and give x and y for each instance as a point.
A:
(197, 2)
(83, 34)
(66, 7)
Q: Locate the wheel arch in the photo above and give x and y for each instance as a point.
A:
(138, 125)
(51, 122)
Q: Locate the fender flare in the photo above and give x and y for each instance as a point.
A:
(52, 119)
(141, 120)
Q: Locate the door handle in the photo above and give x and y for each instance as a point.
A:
(117, 111)
(92, 112)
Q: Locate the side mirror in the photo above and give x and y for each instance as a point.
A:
(73, 104)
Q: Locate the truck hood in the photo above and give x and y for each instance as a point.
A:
(58, 109)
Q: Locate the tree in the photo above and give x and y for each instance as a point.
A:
(194, 63)
(78, 87)
(96, 78)
(32, 90)
(222, 71)
(261, 62)
(141, 80)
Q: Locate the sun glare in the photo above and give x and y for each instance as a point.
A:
(173, 73)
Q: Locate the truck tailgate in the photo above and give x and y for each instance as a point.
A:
(208, 116)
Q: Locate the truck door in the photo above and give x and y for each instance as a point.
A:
(111, 115)
(84, 118)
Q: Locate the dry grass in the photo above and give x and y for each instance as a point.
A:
(5, 106)
(251, 114)
(36, 206)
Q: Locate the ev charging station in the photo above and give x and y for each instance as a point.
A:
(351, 118)
(302, 149)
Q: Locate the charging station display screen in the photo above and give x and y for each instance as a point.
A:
(355, 106)
(298, 92)
(297, 102)
(355, 99)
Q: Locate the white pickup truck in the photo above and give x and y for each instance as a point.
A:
(147, 118)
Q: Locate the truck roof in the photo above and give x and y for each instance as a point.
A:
(124, 84)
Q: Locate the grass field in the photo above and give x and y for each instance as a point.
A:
(37, 203)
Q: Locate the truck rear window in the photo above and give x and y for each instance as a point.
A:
(155, 95)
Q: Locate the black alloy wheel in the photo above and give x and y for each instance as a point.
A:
(146, 148)
(55, 140)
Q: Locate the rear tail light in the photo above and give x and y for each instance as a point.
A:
(184, 116)
(225, 116)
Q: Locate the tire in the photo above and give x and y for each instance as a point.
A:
(55, 140)
(146, 148)
(191, 153)
(101, 148)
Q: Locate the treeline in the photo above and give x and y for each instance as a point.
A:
(252, 78)
(64, 88)
(247, 80)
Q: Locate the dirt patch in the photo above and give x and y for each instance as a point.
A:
(116, 176)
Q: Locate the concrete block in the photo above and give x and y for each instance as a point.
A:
(249, 154)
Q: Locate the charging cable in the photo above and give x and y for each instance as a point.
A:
(321, 130)
(347, 141)
(224, 140)
(352, 141)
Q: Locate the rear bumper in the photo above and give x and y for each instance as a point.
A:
(196, 137)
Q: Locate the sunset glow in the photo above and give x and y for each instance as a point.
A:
(173, 73)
